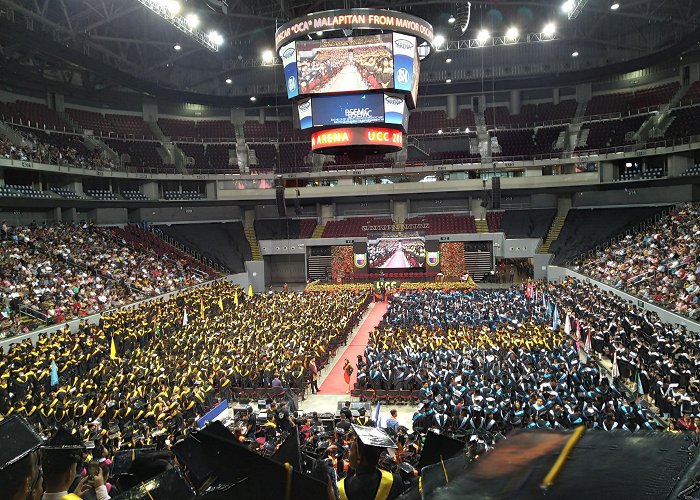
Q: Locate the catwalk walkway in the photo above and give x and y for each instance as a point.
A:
(334, 382)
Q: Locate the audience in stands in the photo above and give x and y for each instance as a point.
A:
(660, 264)
(34, 150)
(65, 271)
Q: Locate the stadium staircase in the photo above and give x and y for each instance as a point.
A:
(482, 225)
(553, 234)
(318, 231)
(253, 242)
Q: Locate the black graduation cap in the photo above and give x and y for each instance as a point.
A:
(124, 458)
(289, 451)
(437, 447)
(169, 485)
(373, 436)
(251, 473)
(18, 439)
(62, 440)
(439, 474)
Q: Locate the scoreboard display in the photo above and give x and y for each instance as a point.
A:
(361, 71)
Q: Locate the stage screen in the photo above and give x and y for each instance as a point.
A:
(396, 250)
(352, 64)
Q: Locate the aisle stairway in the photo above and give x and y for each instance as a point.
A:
(553, 234)
(481, 226)
(318, 231)
(253, 242)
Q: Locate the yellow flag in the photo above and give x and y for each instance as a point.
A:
(250, 290)
(235, 299)
(201, 308)
(113, 350)
(221, 304)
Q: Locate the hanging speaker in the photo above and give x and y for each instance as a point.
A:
(281, 207)
(496, 192)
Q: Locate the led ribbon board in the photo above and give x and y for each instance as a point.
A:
(375, 19)
(374, 139)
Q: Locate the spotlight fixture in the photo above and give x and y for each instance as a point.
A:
(215, 37)
(549, 29)
(483, 36)
(440, 131)
(267, 57)
(229, 81)
(467, 130)
(449, 80)
(574, 53)
(448, 60)
(512, 33)
(169, 10)
(177, 46)
(252, 98)
(192, 20)
(452, 19)
(439, 41)
(567, 6)
(614, 5)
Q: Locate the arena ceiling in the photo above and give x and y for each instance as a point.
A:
(97, 44)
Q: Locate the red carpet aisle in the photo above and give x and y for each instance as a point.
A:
(335, 383)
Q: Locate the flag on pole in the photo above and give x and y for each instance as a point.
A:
(376, 414)
(567, 325)
(587, 347)
(54, 374)
(536, 298)
(544, 299)
(184, 318)
(615, 368)
(235, 299)
(112, 350)
(221, 304)
(555, 319)
(250, 290)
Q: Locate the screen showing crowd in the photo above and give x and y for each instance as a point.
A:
(396, 251)
(346, 64)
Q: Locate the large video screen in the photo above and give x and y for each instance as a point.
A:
(352, 64)
(391, 250)
(348, 109)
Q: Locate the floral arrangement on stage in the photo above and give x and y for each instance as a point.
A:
(323, 287)
(452, 260)
(446, 285)
(342, 263)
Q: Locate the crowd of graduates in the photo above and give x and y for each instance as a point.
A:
(145, 373)
(489, 361)
(659, 264)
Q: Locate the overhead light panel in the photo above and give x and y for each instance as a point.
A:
(229, 81)
(449, 80)
(252, 98)
(177, 46)
(574, 53)
(452, 19)
(483, 36)
(512, 33)
(267, 57)
(549, 29)
(170, 9)
(448, 60)
(614, 5)
(567, 6)
(439, 41)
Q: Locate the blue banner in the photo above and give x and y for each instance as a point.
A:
(213, 414)
(289, 60)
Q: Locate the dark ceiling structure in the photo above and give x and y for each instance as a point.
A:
(112, 44)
